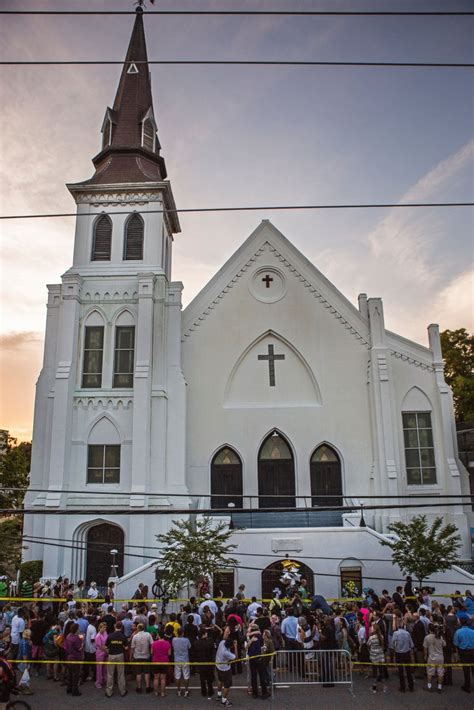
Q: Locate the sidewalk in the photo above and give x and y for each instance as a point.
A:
(49, 696)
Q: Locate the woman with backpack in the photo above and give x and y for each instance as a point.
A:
(51, 652)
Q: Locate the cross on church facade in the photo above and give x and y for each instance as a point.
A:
(271, 357)
(267, 280)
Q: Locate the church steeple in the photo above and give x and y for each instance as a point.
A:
(130, 147)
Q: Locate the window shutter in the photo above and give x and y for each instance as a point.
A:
(134, 238)
(102, 247)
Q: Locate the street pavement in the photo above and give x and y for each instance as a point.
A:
(50, 696)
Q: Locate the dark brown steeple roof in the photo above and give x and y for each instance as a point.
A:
(126, 157)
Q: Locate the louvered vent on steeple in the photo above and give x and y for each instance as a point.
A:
(102, 241)
(133, 248)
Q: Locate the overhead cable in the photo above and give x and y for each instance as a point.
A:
(217, 511)
(388, 205)
(237, 62)
(256, 496)
(281, 13)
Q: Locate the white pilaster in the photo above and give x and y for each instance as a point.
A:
(381, 400)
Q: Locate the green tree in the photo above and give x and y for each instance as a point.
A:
(10, 549)
(192, 550)
(422, 550)
(14, 472)
(458, 353)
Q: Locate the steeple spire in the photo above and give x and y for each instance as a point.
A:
(130, 147)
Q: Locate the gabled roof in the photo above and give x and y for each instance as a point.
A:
(267, 236)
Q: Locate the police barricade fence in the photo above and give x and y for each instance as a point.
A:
(315, 667)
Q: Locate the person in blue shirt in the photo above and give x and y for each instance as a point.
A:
(469, 603)
(464, 641)
(82, 622)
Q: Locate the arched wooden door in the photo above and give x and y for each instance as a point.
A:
(276, 473)
(226, 479)
(326, 477)
(101, 539)
(271, 578)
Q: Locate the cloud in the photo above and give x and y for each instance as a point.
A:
(455, 303)
(18, 340)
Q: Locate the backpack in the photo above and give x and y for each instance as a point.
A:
(59, 641)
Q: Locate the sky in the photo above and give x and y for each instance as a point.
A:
(235, 136)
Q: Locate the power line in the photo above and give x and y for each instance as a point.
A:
(281, 13)
(216, 511)
(239, 62)
(251, 209)
(256, 496)
(105, 547)
(246, 567)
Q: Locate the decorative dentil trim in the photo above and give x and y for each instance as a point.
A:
(312, 290)
(103, 403)
(118, 197)
(412, 361)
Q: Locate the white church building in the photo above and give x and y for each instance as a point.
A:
(269, 399)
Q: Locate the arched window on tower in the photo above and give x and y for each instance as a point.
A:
(133, 246)
(102, 239)
(148, 135)
(226, 479)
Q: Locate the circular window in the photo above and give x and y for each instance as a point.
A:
(268, 285)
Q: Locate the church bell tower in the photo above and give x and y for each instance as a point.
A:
(109, 429)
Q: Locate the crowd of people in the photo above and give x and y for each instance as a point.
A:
(217, 639)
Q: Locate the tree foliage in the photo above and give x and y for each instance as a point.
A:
(192, 550)
(10, 547)
(14, 472)
(458, 353)
(422, 550)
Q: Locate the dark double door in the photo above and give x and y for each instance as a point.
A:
(276, 483)
(226, 486)
(101, 539)
(326, 480)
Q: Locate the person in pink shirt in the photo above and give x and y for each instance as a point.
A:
(101, 655)
(160, 653)
(366, 615)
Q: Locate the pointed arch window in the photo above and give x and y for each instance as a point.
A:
(276, 473)
(148, 135)
(326, 477)
(134, 232)
(102, 239)
(226, 479)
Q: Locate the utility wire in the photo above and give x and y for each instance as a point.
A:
(250, 209)
(216, 511)
(245, 567)
(239, 62)
(284, 13)
(256, 496)
(105, 547)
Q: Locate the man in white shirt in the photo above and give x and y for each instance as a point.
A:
(17, 628)
(252, 609)
(209, 603)
(93, 593)
(89, 652)
(224, 672)
(141, 652)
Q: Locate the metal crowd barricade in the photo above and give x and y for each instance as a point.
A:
(318, 667)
